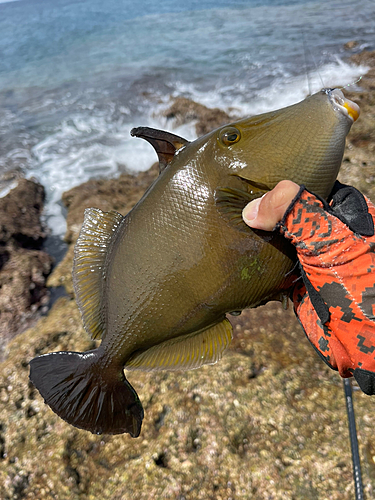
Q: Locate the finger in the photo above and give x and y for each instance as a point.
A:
(265, 212)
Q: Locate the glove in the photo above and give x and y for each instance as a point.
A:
(335, 302)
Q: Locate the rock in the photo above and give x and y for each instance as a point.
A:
(20, 215)
(366, 57)
(268, 421)
(23, 266)
(107, 194)
(358, 167)
(351, 45)
(184, 110)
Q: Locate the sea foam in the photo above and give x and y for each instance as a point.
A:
(86, 146)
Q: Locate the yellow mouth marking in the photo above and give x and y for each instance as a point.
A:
(352, 109)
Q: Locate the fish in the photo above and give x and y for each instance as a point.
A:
(157, 284)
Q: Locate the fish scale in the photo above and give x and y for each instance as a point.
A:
(156, 284)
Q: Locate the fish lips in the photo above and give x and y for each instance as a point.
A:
(345, 106)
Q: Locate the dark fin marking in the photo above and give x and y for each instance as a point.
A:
(164, 143)
(185, 353)
(75, 387)
(231, 202)
(89, 267)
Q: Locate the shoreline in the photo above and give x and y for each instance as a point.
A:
(358, 166)
(358, 169)
(267, 421)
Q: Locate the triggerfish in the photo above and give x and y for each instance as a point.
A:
(156, 285)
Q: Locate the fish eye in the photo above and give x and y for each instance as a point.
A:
(230, 135)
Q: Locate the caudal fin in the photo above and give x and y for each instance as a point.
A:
(86, 396)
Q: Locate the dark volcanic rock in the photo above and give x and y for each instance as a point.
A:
(20, 215)
(107, 194)
(184, 110)
(23, 266)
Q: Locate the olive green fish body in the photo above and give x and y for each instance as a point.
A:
(181, 266)
(156, 285)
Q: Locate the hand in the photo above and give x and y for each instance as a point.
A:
(265, 212)
(335, 241)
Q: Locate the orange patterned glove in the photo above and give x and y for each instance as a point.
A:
(335, 303)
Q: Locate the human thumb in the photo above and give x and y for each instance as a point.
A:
(265, 212)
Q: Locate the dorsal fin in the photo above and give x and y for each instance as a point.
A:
(164, 143)
(90, 252)
(187, 352)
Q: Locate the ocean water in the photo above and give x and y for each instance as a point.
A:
(76, 76)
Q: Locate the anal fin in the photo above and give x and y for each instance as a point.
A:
(186, 352)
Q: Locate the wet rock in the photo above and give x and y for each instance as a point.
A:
(267, 422)
(358, 167)
(366, 57)
(23, 266)
(351, 45)
(20, 215)
(107, 194)
(184, 110)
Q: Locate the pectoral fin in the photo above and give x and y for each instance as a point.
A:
(164, 143)
(187, 352)
(231, 201)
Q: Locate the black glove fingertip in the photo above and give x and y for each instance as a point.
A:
(349, 205)
(365, 380)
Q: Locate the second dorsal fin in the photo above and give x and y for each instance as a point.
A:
(164, 143)
(90, 252)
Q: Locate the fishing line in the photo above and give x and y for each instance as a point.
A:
(306, 67)
(305, 49)
(358, 486)
(313, 60)
(317, 69)
(350, 84)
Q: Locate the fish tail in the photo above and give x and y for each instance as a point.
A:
(85, 395)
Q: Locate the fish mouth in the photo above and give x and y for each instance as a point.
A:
(342, 104)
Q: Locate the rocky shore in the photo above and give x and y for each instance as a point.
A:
(267, 422)
(24, 267)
